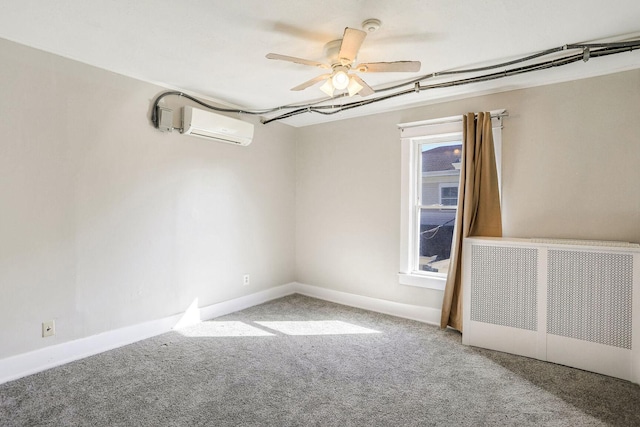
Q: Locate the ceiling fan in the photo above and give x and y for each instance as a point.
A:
(342, 54)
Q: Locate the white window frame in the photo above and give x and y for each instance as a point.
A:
(412, 136)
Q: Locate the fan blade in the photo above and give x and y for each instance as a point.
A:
(297, 60)
(311, 82)
(386, 67)
(351, 42)
(366, 89)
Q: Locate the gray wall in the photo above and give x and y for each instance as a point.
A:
(106, 222)
(570, 169)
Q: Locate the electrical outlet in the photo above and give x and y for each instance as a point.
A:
(48, 328)
(246, 280)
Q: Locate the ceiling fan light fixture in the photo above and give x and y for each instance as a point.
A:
(340, 78)
(342, 54)
(327, 87)
(354, 87)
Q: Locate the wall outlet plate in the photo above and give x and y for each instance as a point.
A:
(48, 328)
(246, 279)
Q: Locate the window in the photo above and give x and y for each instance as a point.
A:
(431, 152)
(436, 203)
(449, 193)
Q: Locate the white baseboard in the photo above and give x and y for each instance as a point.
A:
(21, 365)
(407, 311)
(246, 301)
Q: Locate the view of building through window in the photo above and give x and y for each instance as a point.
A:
(437, 203)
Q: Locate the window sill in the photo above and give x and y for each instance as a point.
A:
(423, 280)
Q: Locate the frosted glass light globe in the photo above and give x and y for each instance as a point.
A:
(340, 80)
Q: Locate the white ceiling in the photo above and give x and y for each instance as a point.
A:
(217, 48)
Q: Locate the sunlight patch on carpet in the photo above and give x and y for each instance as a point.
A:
(317, 327)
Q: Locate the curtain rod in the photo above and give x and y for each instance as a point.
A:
(496, 114)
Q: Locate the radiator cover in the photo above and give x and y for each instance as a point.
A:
(571, 303)
(589, 296)
(504, 286)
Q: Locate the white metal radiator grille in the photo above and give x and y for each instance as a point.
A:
(503, 286)
(589, 296)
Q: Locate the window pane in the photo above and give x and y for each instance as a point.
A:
(436, 234)
(449, 196)
(450, 192)
(440, 173)
(439, 157)
(439, 179)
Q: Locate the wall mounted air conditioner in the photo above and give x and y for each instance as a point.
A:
(205, 124)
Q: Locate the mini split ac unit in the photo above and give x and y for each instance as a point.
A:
(205, 124)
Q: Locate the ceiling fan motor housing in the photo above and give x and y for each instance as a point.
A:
(332, 51)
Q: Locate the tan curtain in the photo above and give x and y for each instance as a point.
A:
(478, 207)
